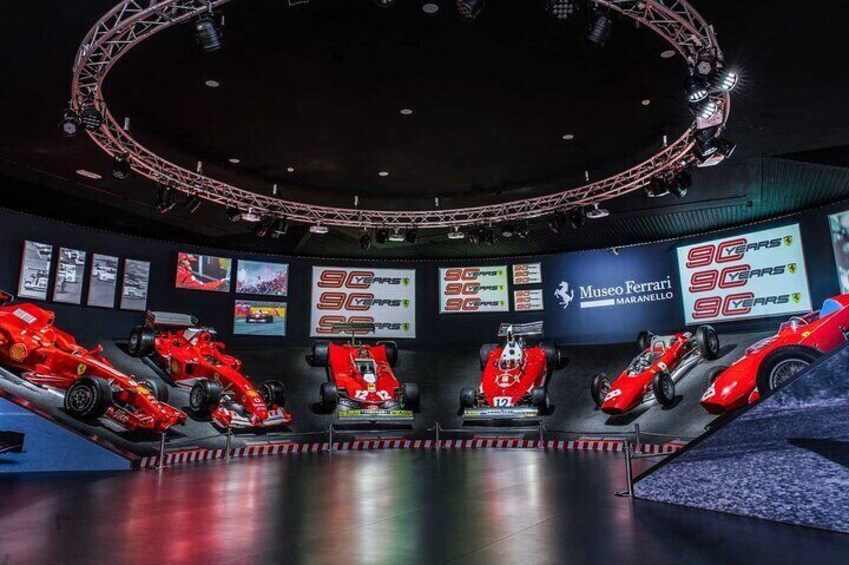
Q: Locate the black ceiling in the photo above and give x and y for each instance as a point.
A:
(320, 88)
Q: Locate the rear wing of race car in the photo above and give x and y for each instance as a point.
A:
(531, 329)
(169, 320)
(353, 328)
(6, 297)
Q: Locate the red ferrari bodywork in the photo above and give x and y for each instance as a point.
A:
(51, 357)
(822, 331)
(507, 387)
(346, 371)
(190, 354)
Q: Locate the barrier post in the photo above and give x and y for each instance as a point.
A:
(330, 439)
(436, 432)
(161, 463)
(228, 442)
(541, 435)
(637, 436)
(628, 470)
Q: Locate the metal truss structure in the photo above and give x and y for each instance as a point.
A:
(133, 21)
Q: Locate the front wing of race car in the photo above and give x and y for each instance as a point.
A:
(235, 417)
(375, 415)
(501, 413)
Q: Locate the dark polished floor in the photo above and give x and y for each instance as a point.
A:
(511, 506)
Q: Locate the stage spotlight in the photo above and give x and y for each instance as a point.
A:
(697, 90)
(164, 198)
(281, 226)
(562, 10)
(577, 218)
(381, 236)
(412, 235)
(597, 213)
(121, 166)
(507, 230)
(365, 241)
(724, 146)
(558, 222)
(523, 229)
(208, 32)
(319, 229)
(726, 81)
(383, 3)
(234, 214)
(656, 188)
(90, 115)
(69, 122)
(474, 236)
(264, 227)
(470, 9)
(455, 234)
(191, 203)
(708, 110)
(680, 183)
(396, 236)
(487, 236)
(599, 29)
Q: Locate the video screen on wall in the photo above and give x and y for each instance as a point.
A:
(752, 275)
(839, 225)
(203, 272)
(102, 281)
(35, 270)
(472, 290)
(253, 317)
(69, 276)
(135, 284)
(266, 279)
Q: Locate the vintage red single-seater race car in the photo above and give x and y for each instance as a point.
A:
(775, 360)
(51, 358)
(360, 375)
(192, 357)
(663, 361)
(515, 373)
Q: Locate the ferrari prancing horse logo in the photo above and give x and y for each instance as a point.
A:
(81, 369)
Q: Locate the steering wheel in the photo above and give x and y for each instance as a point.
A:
(799, 321)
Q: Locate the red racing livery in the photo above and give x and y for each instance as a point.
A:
(663, 360)
(193, 358)
(515, 372)
(50, 357)
(773, 361)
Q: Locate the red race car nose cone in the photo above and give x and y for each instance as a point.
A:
(713, 407)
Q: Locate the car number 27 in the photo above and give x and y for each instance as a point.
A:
(501, 401)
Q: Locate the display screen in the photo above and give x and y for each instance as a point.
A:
(266, 279)
(69, 276)
(472, 290)
(103, 280)
(745, 276)
(35, 270)
(136, 281)
(203, 272)
(251, 317)
(384, 297)
(839, 225)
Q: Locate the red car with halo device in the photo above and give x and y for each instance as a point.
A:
(91, 386)
(663, 361)
(773, 361)
(192, 357)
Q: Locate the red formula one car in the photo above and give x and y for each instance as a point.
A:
(360, 377)
(515, 374)
(663, 361)
(51, 358)
(192, 358)
(775, 360)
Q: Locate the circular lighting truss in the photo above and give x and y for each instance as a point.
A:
(133, 21)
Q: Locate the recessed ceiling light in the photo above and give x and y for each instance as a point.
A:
(234, 160)
(646, 102)
(430, 7)
(406, 111)
(88, 174)
(212, 83)
(290, 169)
(383, 173)
(668, 54)
(568, 137)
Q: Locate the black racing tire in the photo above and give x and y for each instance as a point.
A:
(554, 357)
(273, 393)
(467, 398)
(707, 341)
(88, 398)
(599, 387)
(320, 354)
(156, 388)
(391, 352)
(328, 396)
(205, 397)
(713, 374)
(540, 399)
(783, 364)
(644, 340)
(486, 352)
(663, 388)
(141, 341)
(412, 396)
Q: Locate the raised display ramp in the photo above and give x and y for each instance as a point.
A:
(785, 458)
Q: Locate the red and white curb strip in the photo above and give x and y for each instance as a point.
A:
(602, 445)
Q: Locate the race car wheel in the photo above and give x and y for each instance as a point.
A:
(467, 398)
(204, 397)
(486, 352)
(273, 393)
(329, 396)
(540, 399)
(714, 373)
(412, 398)
(783, 364)
(141, 341)
(663, 388)
(320, 354)
(707, 341)
(599, 388)
(156, 388)
(554, 358)
(644, 340)
(391, 352)
(88, 398)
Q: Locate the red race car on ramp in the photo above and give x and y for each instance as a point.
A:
(93, 388)
(360, 379)
(773, 361)
(515, 374)
(192, 357)
(663, 361)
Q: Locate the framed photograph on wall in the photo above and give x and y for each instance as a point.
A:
(102, 281)
(203, 272)
(266, 279)
(70, 271)
(35, 270)
(135, 284)
(252, 317)
(839, 227)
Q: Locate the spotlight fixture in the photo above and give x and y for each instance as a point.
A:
(281, 226)
(164, 198)
(681, 183)
(430, 8)
(724, 147)
(396, 236)
(726, 81)
(319, 229)
(191, 203)
(487, 236)
(696, 90)
(412, 235)
(599, 29)
(597, 213)
(383, 3)
(264, 227)
(562, 10)
(708, 110)
(365, 241)
(234, 214)
(381, 236)
(507, 230)
(474, 236)
(470, 9)
(558, 222)
(456, 234)
(69, 122)
(523, 229)
(90, 115)
(577, 218)
(208, 32)
(121, 166)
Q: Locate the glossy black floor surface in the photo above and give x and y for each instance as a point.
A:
(511, 506)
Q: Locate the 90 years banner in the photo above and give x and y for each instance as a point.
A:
(385, 297)
(469, 290)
